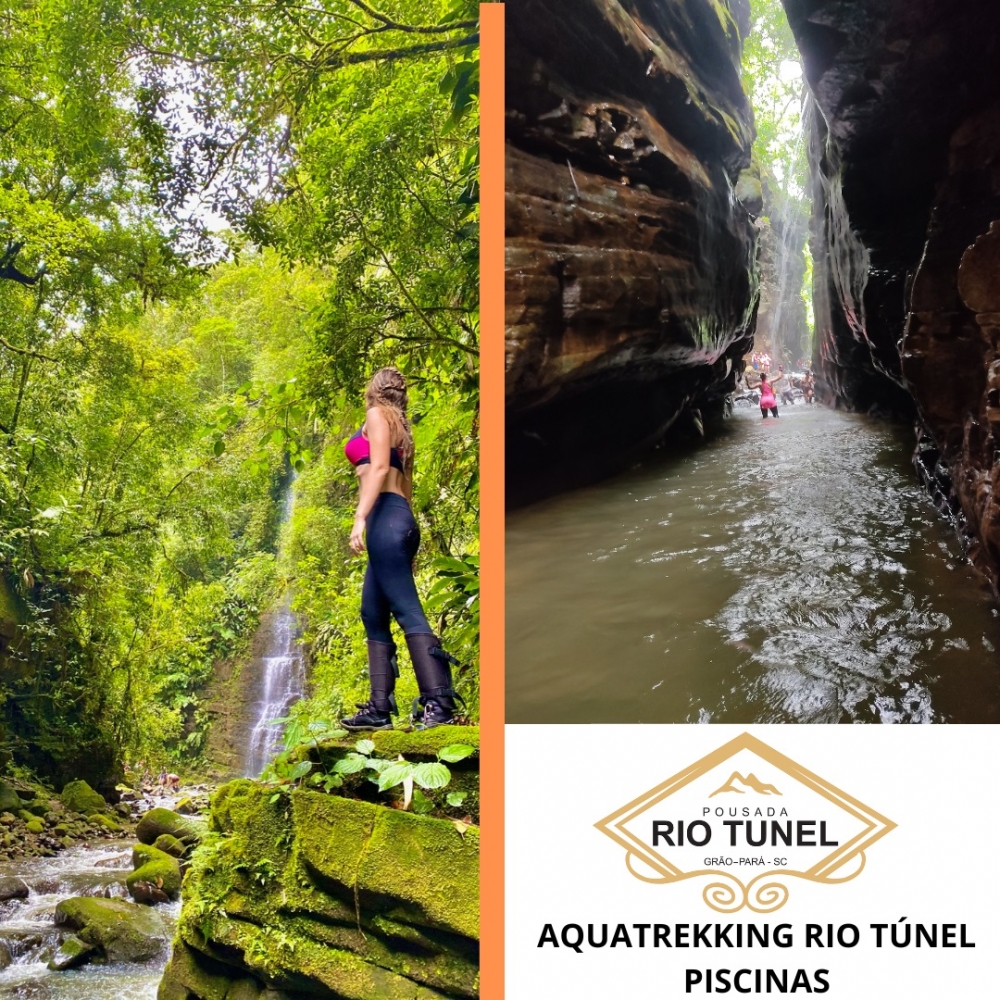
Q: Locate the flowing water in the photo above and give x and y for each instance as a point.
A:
(786, 571)
(281, 668)
(28, 935)
(283, 673)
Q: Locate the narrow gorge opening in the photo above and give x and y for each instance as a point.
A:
(665, 564)
(775, 85)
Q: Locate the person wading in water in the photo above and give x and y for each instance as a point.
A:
(767, 400)
(382, 455)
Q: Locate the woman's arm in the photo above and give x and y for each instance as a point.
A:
(406, 481)
(377, 432)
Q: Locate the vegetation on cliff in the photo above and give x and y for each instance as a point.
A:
(387, 907)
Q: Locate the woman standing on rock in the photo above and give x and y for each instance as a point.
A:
(382, 455)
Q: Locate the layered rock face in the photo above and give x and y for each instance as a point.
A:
(631, 282)
(905, 151)
(304, 894)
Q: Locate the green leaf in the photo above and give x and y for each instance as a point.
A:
(300, 770)
(433, 775)
(395, 774)
(351, 764)
(455, 798)
(421, 803)
(364, 746)
(455, 751)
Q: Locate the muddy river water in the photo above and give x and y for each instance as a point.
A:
(786, 571)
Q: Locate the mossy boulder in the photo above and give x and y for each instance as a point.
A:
(123, 932)
(72, 952)
(328, 896)
(10, 801)
(79, 797)
(106, 822)
(154, 868)
(35, 826)
(160, 821)
(169, 844)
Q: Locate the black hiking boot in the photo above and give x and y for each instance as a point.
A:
(368, 718)
(432, 665)
(377, 712)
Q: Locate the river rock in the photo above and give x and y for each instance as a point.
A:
(160, 821)
(12, 887)
(906, 195)
(106, 822)
(10, 801)
(123, 932)
(171, 845)
(72, 952)
(154, 870)
(79, 797)
(386, 903)
(631, 283)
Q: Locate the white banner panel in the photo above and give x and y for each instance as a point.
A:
(668, 861)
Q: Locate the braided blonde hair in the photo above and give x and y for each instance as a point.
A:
(387, 391)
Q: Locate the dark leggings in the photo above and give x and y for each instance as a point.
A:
(392, 538)
(773, 409)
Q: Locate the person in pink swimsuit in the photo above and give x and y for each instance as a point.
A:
(767, 400)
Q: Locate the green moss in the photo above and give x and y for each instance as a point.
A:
(10, 801)
(123, 931)
(169, 844)
(155, 867)
(72, 952)
(191, 973)
(415, 745)
(270, 952)
(35, 826)
(341, 897)
(79, 797)
(106, 821)
(425, 864)
(159, 821)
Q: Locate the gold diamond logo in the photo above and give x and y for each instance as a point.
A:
(748, 818)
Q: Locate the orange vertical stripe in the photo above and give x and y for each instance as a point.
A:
(491, 280)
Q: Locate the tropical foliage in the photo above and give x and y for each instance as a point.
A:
(216, 220)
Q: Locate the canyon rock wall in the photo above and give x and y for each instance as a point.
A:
(905, 154)
(631, 276)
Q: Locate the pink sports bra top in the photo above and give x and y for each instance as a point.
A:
(359, 452)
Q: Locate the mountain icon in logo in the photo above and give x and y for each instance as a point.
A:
(751, 781)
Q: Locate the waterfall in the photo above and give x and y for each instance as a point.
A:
(782, 320)
(282, 672)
